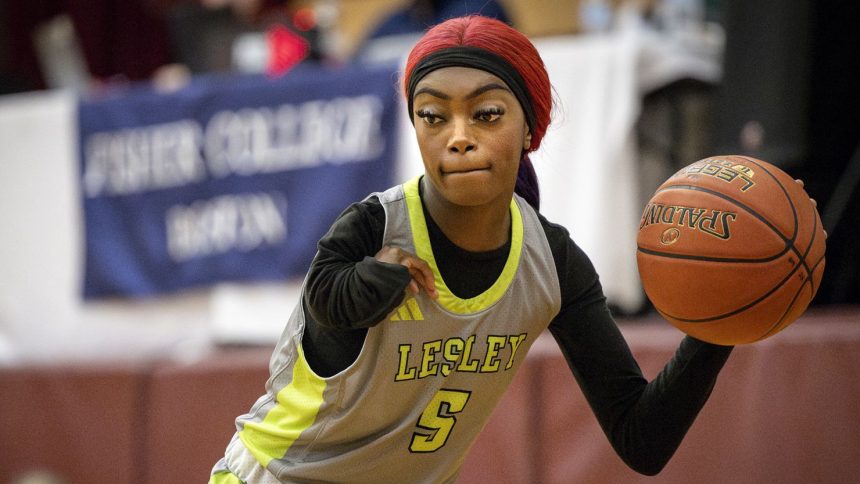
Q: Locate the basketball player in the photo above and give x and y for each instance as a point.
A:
(423, 300)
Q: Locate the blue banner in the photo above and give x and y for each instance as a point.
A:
(229, 179)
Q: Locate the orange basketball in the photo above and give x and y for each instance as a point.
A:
(730, 250)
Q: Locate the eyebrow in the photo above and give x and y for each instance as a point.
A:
(477, 92)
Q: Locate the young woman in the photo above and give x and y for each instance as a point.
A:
(423, 300)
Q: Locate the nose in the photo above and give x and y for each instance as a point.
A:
(461, 140)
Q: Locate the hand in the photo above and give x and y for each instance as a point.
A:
(422, 275)
(814, 203)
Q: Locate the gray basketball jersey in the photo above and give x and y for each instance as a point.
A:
(425, 382)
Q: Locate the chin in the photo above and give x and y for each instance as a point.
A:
(468, 200)
(469, 196)
(470, 189)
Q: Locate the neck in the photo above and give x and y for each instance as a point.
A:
(476, 228)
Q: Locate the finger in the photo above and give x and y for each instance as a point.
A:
(429, 284)
(814, 203)
(422, 273)
(799, 181)
(429, 280)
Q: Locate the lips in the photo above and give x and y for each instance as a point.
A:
(465, 170)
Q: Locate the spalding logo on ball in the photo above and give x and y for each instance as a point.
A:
(730, 250)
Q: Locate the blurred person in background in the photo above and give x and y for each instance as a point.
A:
(120, 41)
(123, 41)
(391, 39)
(421, 14)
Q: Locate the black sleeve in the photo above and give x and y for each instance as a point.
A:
(644, 421)
(346, 287)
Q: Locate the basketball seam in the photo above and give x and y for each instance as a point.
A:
(803, 265)
(778, 326)
(745, 307)
(808, 249)
(742, 205)
(794, 213)
(802, 257)
(784, 192)
(789, 242)
(711, 259)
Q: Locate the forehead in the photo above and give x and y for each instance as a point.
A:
(454, 78)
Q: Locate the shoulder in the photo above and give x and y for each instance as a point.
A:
(576, 272)
(560, 242)
(357, 231)
(359, 214)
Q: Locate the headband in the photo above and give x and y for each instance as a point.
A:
(476, 58)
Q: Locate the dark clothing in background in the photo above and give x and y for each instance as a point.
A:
(119, 38)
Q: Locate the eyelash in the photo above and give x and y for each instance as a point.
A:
(490, 111)
(432, 118)
(428, 116)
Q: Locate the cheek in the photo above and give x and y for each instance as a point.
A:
(507, 144)
(425, 134)
(427, 145)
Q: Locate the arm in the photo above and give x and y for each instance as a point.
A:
(346, 287)
(353, 281)
(644, 421)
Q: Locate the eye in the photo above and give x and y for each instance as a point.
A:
(428, 116)
(489, 114)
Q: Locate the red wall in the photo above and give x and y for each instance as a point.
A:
(784, 410)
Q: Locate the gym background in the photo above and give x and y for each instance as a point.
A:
(161, 411)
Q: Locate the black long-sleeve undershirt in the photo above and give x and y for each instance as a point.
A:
(349, 291)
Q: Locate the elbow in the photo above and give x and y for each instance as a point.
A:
(315, 310)
(647, 468)
(647, 447)
(646, 458)
(316, 301)
(641, 463)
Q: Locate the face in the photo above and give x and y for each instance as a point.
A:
(471, 131)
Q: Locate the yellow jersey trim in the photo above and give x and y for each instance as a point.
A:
(295, 410)
(225, 477)
(424, 250)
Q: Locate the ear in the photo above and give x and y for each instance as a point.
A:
(527, 139)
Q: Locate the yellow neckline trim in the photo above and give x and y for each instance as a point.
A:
(424, 250)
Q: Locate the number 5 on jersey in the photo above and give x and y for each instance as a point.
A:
(438, 419)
